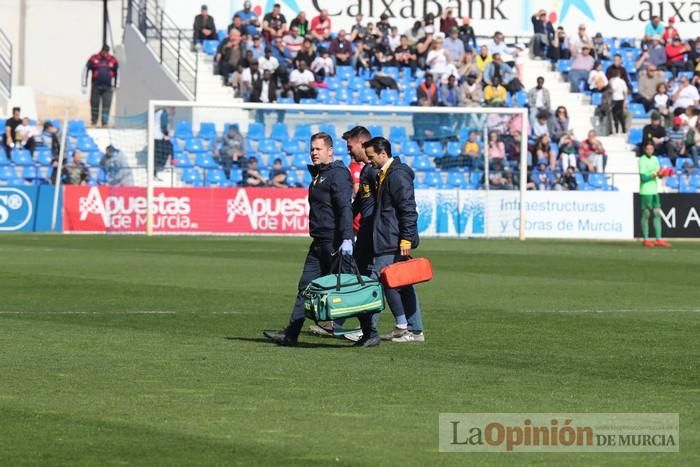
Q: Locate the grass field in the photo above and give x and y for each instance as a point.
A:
(130, 350)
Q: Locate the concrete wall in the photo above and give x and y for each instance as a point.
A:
(143, 78)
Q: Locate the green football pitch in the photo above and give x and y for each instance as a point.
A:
(148, 351)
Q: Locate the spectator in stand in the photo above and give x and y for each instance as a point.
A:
(621, 71)
(540, 124)
(103, 70)
(293, 40)
(655, 133)
(321, 27)
(438, 59)
(483, 59)
(25, 134)
(648, 85)
(519, 56)
(591, 154)
(75, 172)
(249, 19)
(306, 54)
(362, 58)
(49, 139)
(284, 56)
(454, 46)
(341, 49)
(568, 147)
(662, 102)
(497, 68)
(567, 181)
(265, 89)
(300, 81)
(381, 57)
(676, 139)
(685, 97)
(231, 150)
(498, 46)
(9, 137)
(393, 39)
(472, 92)
(424, 44)
(581, 67)
(670, 32)
(495, 93)
(467, 34)
(542, 176)
(249, 77)
(229, 54)
(274, 24)
(597, 81)
(692, 142)
(560, 48)
(466, 66)
(470, 155)
(301, 24)
(559, 124)
(383, 25)
(538, 100)
(428, 90)
(655, 55)
(358, 30)
(252, 176)
(653, 29)
(373, 37)
(580, 40)
(694, 54)
(238, 25)
(600, 48)
(405, 56)
(447, 21)
(268, 62)
(618, 89)
(203, 28)
(257, 47)
(540, 40)
(278, 176)
(323, 65)
(449, 94)
(675, 56)
(496, 148)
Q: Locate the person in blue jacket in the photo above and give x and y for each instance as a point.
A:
(394, 235)
(330, 227)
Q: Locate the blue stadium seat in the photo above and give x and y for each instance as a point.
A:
(183, 129)
(7, 173)
(398, 135)
(695, 182)
(635, 135)
(256, 131)
(192, 177)
(43, 174)
(194, 146)
(268, 146)
(280, 132)
(307, 178)
(3, 157)
(375, 130)
(216, 177)
(681, 162)
(521, 98)
(389, 96)
(564, 66)
(454, 148)
(455, 179)
(673, 182)
(596, 98)
(42, 155)
(76, 128)
(334, 83)
(328, 128)
(293, 178)
(207, 130)
(236, 176)
(323, 95)
(344, 72)
(300, 161)
(433, 148)
(422, 162)
(86, 144)
(285, 100)
(94, 158)
(209, 47)
(29, 173)
(291, 147)
(206, 161)
(410, 148)
(22, 157)
(433, 180)
(638, 110)
(221, 34)
(598, 181)
(302, 131)
(664, 162)
(391, 71)
(183, 161)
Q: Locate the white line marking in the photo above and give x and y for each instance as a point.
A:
(127, 312)
(631, 310)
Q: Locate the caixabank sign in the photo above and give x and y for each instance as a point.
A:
(26, 209)
(680, 214)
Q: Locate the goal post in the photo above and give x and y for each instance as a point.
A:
(440, 134)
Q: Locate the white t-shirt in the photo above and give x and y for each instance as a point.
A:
(686, 98)
(270, 64)
(661, 101)
(293, 43)
(618, 88)
(265, 92)
(394, 41)
(303, 80)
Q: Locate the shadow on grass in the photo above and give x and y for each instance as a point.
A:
(301, 344)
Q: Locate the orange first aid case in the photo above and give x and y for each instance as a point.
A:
(409, 272)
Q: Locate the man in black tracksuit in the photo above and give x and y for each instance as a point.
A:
(330, 227)
(394, 234)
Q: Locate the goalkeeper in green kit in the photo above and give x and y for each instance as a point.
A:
(649, 172)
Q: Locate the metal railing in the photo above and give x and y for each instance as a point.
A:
(173, 46)
(5, 65)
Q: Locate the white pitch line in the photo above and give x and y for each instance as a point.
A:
(631, 310)
(128, 312)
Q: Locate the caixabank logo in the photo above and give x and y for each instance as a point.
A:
(15, 209)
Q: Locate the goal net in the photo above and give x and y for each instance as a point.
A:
(241, 168)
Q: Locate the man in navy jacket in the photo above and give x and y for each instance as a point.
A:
(394, 234)
(330, 227)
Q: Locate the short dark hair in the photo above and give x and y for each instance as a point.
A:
(378, 144)
(357, 132)
(16, 109)
(327, 139)
(276, 5)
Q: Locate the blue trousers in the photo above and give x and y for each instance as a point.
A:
(403, 301)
